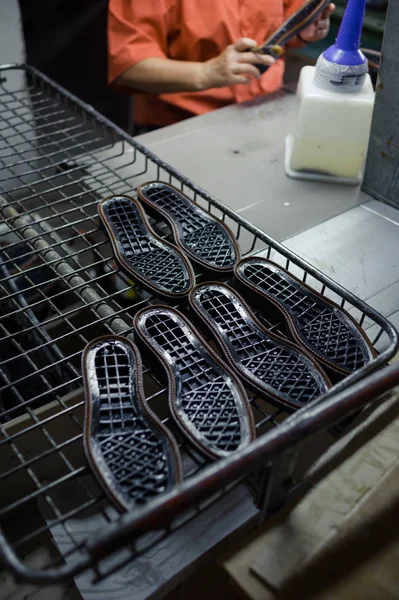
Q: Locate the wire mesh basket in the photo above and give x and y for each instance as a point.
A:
(60, 289)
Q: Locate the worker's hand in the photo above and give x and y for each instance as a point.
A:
(235, 65)
(319, 29)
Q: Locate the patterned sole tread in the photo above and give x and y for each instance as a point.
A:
(273, 367)
(206, 399)
(325, 329)
(143, 256)
(131, 453)
(206, 240)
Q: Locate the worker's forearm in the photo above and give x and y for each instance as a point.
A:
(163, 76)
(234, 66)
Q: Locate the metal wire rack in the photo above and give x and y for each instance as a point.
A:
(60, 290)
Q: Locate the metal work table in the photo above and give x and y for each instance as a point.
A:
(237, 154)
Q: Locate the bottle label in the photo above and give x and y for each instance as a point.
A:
(340, 78)
(348, 80)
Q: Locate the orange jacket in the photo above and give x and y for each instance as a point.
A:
(191, 30)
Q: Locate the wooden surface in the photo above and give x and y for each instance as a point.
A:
(341, 541)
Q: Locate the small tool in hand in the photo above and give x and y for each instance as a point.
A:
(272, 50)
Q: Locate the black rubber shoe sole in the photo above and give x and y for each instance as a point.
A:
(206, 399)
(271, 366)
(133, 456)
(326, 330)
(143, 256)
(304, 16)
(207, 241)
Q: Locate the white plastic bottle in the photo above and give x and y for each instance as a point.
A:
(336, 101)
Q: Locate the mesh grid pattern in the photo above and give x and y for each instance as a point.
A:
(206, 239)
(57, 161)
(131, 450)
(286, 372)
(150, 258)
(325, 329)
(25, 360)
(29, 362)
(206, 396)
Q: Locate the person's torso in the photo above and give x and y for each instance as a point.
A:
(202, 28)
(199, 30)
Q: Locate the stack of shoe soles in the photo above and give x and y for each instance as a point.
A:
(132, 453)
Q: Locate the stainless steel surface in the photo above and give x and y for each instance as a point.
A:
(237, 154)
(359, 249)
(381, 177)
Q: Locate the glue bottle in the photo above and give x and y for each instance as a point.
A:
(336, 100)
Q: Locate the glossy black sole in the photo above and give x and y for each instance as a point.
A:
(207, 241)
(157, 265)
(322, 327)
(133, 456)
(206, 399)
(273, 367)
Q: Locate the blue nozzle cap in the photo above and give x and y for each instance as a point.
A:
(346, 51)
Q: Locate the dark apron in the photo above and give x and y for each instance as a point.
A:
(67, 40)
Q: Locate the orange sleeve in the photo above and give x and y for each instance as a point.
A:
(291, 6)
(136, 30)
